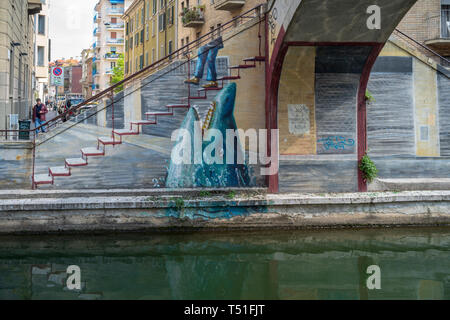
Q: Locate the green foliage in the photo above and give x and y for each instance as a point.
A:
(189, 15)
(368, 168)
(205, 194)
(369, 97)
(231, 195)
(179, 203)
(118, 73)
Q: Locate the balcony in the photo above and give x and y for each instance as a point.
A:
(109, 71)
(111, 41)
(228, 5)
(112, 56)
(439, 40)
(97, 17)
(115, 11)
(114, 26)
(96, 32)
(193, 18)
(34, 6)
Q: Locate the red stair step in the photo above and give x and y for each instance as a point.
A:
(159, 113)
(59, 171)
(76, 162)
(92, 152)
(174, 106)
(42, 179)
(108, 141)
(142, 122)
(243, 66)
(255, 59)
(229, 78)
(125, 132)
(195, 98)
(209, 89)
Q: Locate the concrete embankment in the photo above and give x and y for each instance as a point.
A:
(163, 210)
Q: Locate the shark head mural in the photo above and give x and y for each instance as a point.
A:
(217, 157)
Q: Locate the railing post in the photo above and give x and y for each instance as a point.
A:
(188, 77)
(34, 160)
(112, 115)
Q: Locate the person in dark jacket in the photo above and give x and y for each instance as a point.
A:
(39, 111)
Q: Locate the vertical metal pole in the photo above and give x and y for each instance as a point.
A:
(34, 160)
(189, 76)
(112, 115)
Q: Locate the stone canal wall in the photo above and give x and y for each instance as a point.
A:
(254, 210)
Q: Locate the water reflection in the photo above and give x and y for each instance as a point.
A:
(415, 264)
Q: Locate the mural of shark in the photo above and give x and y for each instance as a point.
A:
(204, 171)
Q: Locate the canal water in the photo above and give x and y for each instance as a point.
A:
(328, 264)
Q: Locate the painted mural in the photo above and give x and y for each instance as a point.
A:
(207, 167)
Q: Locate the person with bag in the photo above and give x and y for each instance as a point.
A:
(39, 112)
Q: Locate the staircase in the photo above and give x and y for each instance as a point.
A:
(135, 127)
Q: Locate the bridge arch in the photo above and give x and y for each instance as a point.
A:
(334, 37)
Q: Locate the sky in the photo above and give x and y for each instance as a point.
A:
(70, 27)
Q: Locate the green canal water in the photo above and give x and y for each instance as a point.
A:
(328, 264)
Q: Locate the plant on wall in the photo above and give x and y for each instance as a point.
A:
(368, 168)
(369, 97)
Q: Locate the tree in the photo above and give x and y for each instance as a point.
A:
(118, 73)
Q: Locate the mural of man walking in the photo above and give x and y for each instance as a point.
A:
(207, 54)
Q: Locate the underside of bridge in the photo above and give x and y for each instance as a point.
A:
(321, 53)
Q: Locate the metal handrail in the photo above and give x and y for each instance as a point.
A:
(423, 46)
(181, 51)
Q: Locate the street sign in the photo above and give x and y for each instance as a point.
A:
(57, 76)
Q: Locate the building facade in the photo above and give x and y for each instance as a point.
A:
(151, 30)
(428, 22)
(42, 50)
(202, 16)
(17, 59)
(109, 40)
(86, 75)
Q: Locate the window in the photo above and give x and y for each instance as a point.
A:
(141, 61)
(153, 28)
(161, 4)
(142, 16)
(171, 15)
(11, 71)
(113, 65)
(182, 42)
(147, 12)
(131, 43)
(113, 20)
(113, 35)
(126, 67)
(147, 32)
(142, 35)
(170, 47)
(162, 21)
(126, 29)
(153, 55)
(154, 6)
(113, 49)
(163, 53)
(40, 56)
(41, 24)
(146, 59)
(445, 21)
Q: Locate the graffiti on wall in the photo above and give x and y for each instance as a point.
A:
(336, 143)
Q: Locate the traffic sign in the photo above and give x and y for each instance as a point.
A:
(57, 76)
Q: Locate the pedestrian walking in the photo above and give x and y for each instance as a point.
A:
(39, 112)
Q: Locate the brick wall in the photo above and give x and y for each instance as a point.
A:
(423, 20)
